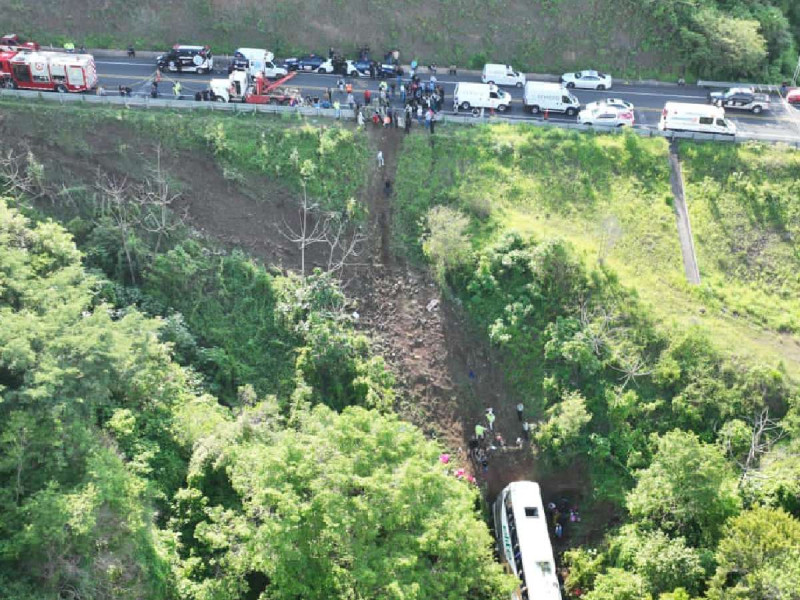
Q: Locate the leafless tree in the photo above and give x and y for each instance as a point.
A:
(157, 198)
(345, 242)
(22, 175)
(116, 204)
(764, 433)
(306, 235)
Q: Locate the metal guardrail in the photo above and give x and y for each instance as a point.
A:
(146, 102)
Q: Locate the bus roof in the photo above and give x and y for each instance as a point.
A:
(538, 562)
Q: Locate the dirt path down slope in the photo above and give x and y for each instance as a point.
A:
(447, 374)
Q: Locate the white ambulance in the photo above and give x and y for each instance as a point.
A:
(700, 118)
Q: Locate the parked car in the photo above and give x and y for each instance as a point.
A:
(541, 96)
(610, 116)
(180, 58)
(612, 102)
(502, 75)
(475, 96)
(700, 118)
(587, 80)
(255, 61)
(344, 67)
(740, 98)
(793, 97)
(311, 62)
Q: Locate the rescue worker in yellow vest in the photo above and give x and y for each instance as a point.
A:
(69, 47)
(176, 89)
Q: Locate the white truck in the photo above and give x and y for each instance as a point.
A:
(475, 96)
(540, 96)
(700, 118)
(502, 75)
(256, 60)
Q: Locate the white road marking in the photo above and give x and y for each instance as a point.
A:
(125, 64)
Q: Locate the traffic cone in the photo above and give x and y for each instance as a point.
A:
(546, 114)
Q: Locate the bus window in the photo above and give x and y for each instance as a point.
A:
(706, 121)
(531, 511)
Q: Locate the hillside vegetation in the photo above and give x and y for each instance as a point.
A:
(178, 421)
(563, 250)
(750, 39)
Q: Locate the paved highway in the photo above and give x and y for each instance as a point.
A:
(781, 120)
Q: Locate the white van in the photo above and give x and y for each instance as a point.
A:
(540, 96)
(255, 61)
(502, 75)
(701, 118)
(471, 96)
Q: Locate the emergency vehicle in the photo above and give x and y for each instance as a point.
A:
(238, 89)
(48, 71)
(11, 41)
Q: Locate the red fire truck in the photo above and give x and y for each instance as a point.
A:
(48, 71)
(11, 41)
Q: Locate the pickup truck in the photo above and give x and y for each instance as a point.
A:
(740, 99)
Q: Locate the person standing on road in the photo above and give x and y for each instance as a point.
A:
(393, 87)
(403, 93)
(520, 410)
(340, 85)
(154, 89)
(419, 114)
(433, 121)
(360, 120)
(176, 89)
(351, 101)
(379, 156)
(526, 430)
(348, 87)
(338, 108)
(480, 431)
(367, 97)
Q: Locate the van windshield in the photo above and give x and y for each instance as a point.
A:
(722, 123)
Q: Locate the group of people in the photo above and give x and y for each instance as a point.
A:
(561, 514)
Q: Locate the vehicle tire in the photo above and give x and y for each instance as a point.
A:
(601, 87)
(519, 84)
(61, 88)
(502, 108)
(476, 112)
(490, 82)
(571, 112)
(535, 110)
(757, 109)
(274, 101)
(464, 106)
(587, 124)
(570, 85)
(220, 99)
(200, 70)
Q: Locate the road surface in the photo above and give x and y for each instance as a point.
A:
(649, 100)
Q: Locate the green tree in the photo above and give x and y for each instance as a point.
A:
(561, 434)
(665, 563)
(86, 446)
(618, 584)
(446, 243)
(350, 505)
(758, 557)
(688, 490)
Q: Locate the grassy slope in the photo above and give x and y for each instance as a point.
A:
(610, 197)
(538, 35)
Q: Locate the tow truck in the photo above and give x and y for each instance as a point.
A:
(741, 99)
(236, 88)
